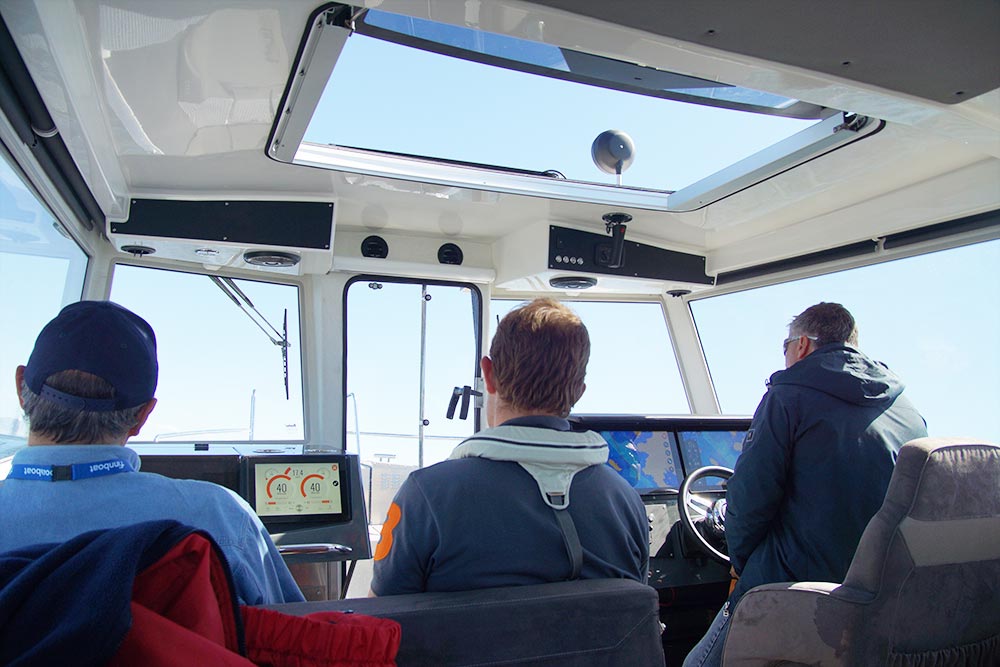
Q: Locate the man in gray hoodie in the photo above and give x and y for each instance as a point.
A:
(816, 462)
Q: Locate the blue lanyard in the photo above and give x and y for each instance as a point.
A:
(40, 473)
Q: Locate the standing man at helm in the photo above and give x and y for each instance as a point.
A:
(88, 387)
(816, 463)
(528, 500)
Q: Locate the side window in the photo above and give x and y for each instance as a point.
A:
(222, 370)
(632, 369)
(932, 318)
(41, 270)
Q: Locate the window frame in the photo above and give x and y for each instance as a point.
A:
(478, 415)
(253, 276)
(49, 200)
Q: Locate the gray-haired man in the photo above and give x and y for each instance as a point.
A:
(816, 462)
(87, 388)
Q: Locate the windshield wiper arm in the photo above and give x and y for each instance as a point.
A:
(236, 295)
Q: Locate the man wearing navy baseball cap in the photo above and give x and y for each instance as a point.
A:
(88, 387)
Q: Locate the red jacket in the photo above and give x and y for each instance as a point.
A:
(157, 594)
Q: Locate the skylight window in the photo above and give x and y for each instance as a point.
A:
(549, 60)
(419, 100)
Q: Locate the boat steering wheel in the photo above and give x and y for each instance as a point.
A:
(693, 507)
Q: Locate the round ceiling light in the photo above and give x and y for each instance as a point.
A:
(270, 258)
(572, 282)
(138, 250)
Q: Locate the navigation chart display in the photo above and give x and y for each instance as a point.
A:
(646, 459)
(710, 448)
(292, 489)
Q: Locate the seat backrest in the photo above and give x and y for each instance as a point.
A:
(930, 557)
(589, 622)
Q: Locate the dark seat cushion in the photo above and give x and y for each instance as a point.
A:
(592, 622)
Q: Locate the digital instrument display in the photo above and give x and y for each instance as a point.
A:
(299, 489)
(304, 488)
(646, 459)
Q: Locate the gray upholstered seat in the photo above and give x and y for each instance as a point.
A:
(924, 585)
(586, 623)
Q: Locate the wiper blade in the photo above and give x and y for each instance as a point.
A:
(284, 351)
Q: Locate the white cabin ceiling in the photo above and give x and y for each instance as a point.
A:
(176, 100)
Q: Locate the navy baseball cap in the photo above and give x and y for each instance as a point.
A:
(101, 338)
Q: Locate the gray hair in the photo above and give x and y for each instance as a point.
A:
(65, 425)
(827, 322)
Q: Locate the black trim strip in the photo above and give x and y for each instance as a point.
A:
(10, 106)
(841, 252)
(25, 90)
(943, 229)
(25, 109)
(971, 223)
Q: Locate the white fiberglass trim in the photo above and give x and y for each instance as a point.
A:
(322, 49)
(799, 148)
(439, 173)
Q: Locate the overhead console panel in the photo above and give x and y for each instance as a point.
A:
(269, 235)
(577, 250)
(547, 258)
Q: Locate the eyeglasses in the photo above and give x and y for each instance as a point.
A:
(791, 339)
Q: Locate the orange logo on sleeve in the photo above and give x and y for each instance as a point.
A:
(385, 540)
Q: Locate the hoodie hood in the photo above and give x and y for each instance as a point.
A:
(551, 457)
(843, 372)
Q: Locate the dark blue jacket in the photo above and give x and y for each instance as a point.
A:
(815, 466)
(68, 604)
(471, 523)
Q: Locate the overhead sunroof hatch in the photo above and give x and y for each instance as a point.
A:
(389, 95)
